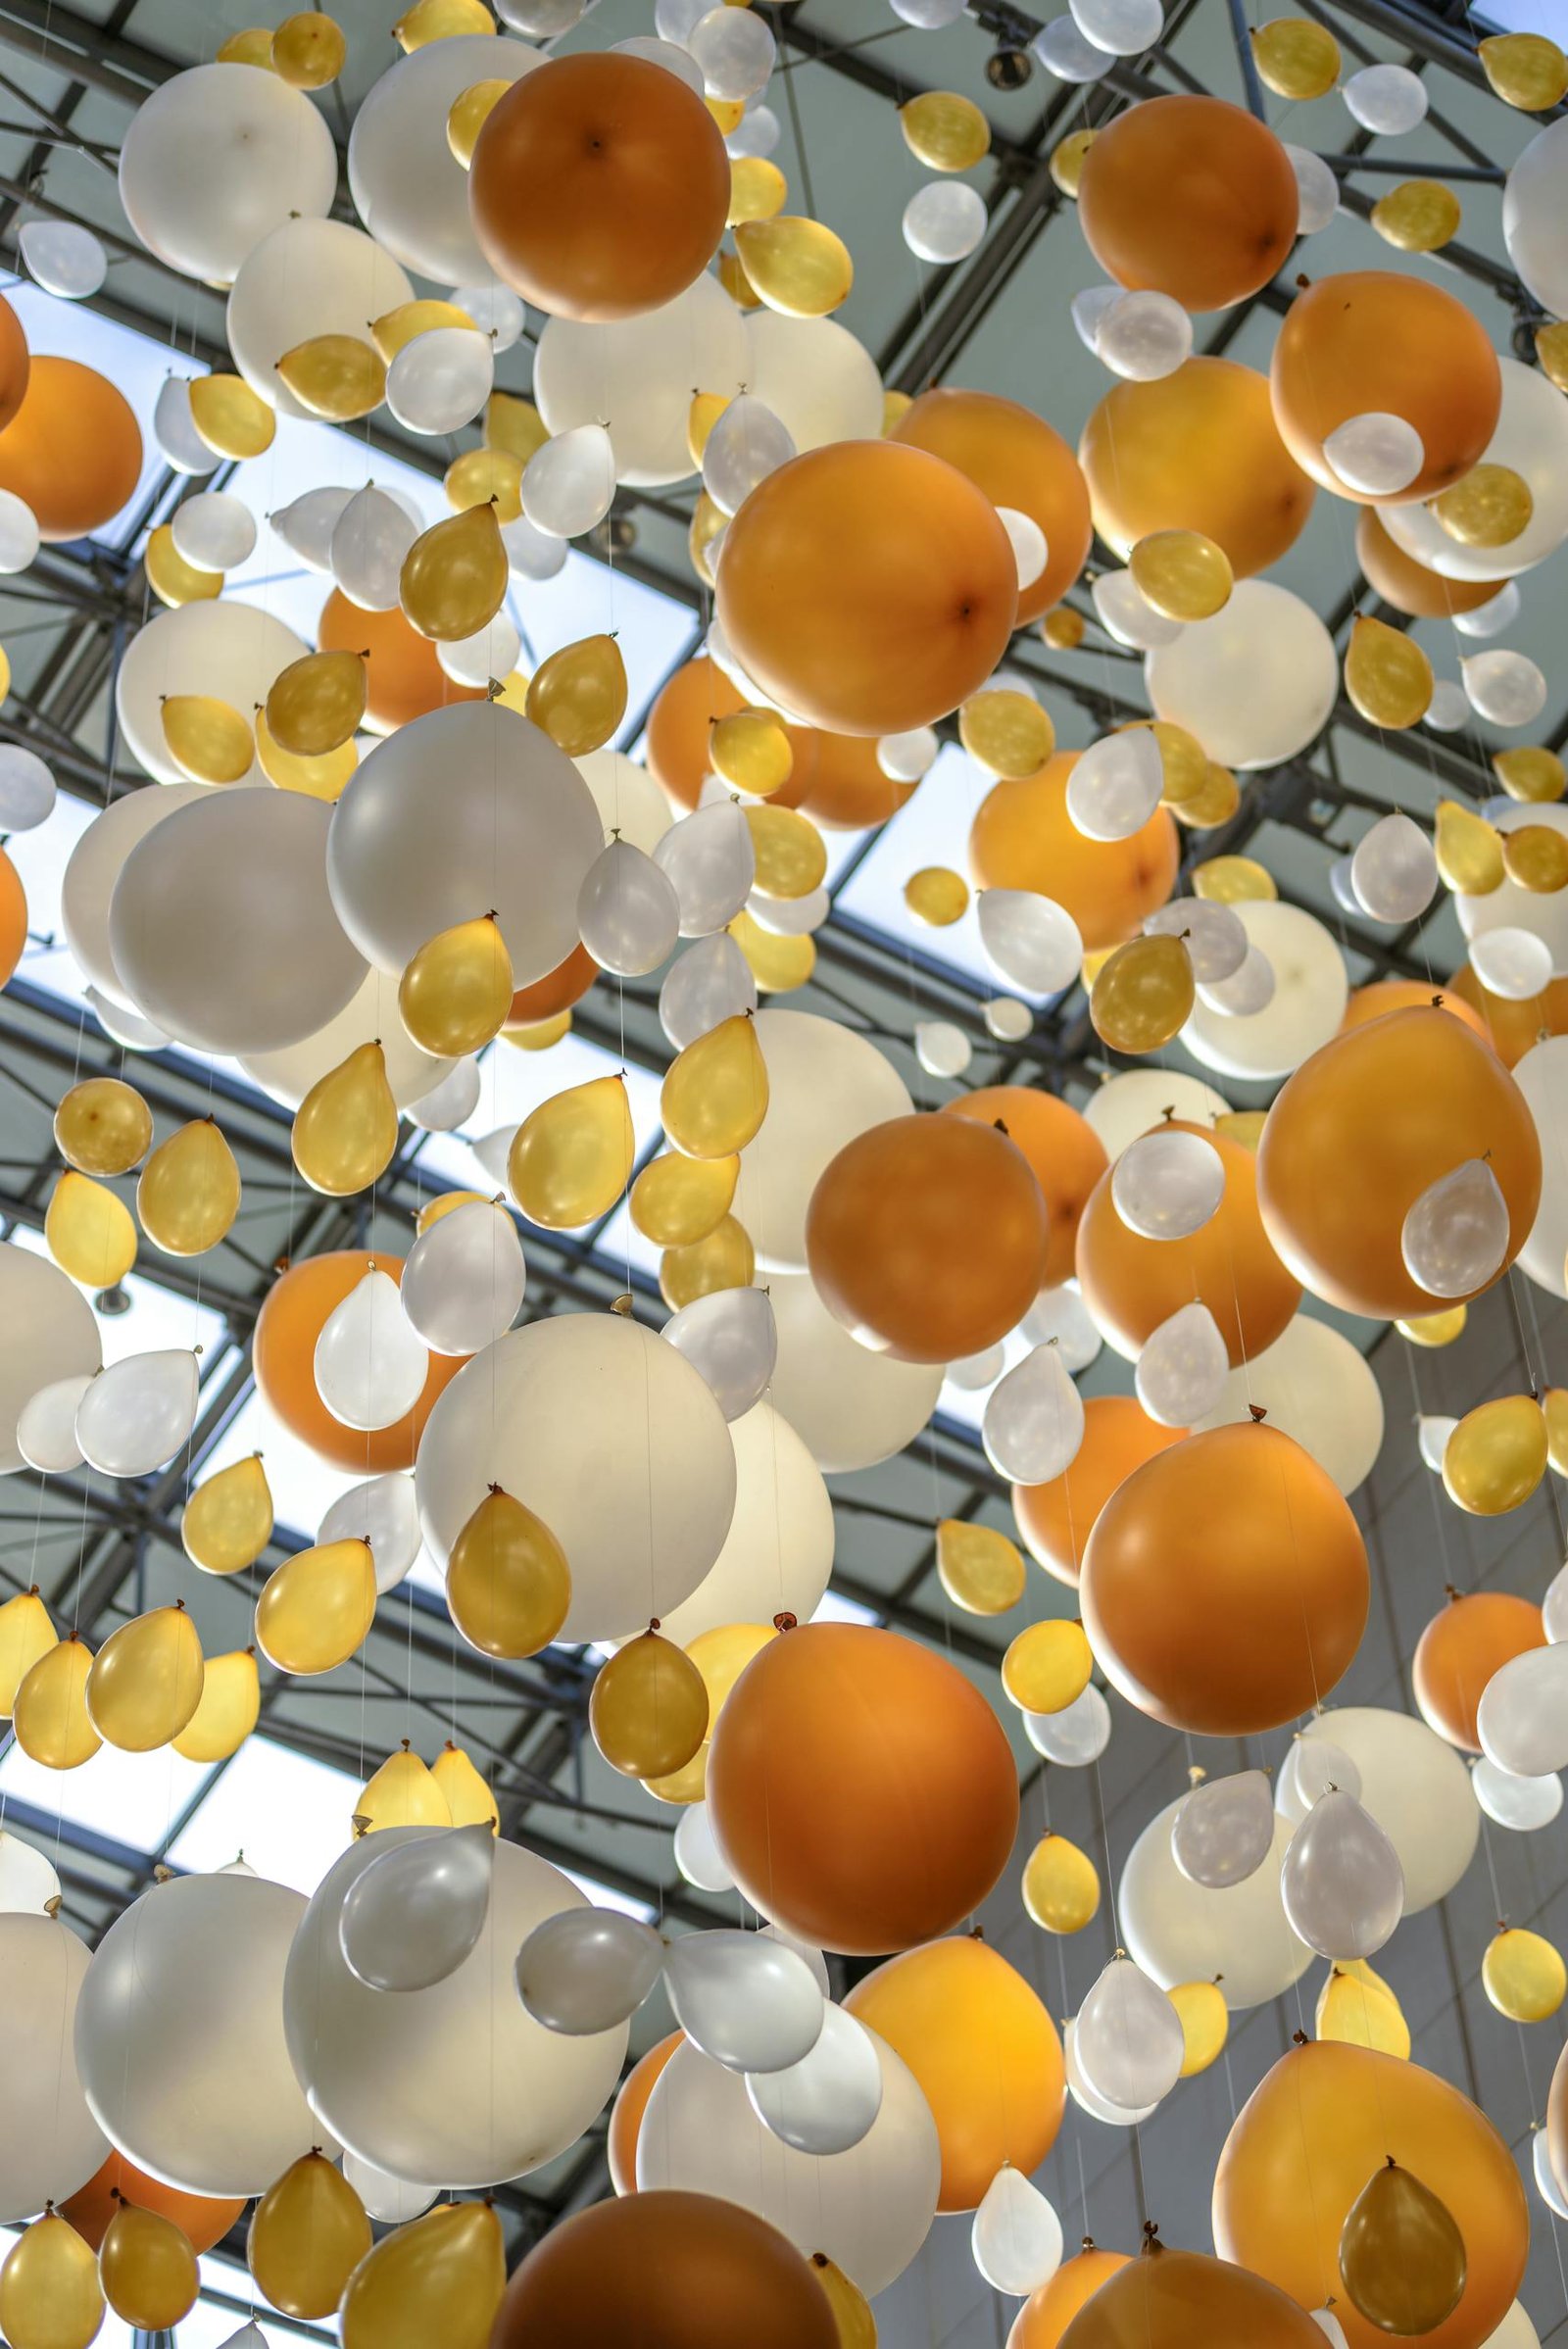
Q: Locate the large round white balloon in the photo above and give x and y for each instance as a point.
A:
(1312, 988)
(818, 380)
(825, 1085)
(215, 159)
(234, 652)
(51, 1334)
(778, 1552)
(1510, 907)
(1416, 1787)
(611, 1436)
(370, 1017)
(1318, 1388)
(1535, 203)
(309, 277)
(637, 375)
(179, 2034)
(1181, 1931)
(1136, 1101)
(408, 186)
(1532, 439)
(851, 1407)
(50, 2142)
(628, 800)
(94, 866)
(1541, 1076)
(1256, 683)
(453, 2086)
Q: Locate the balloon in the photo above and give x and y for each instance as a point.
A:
(413, 1916)
(649, 1708)
(137, 1413)
(1179, 1930)
(1061, 1886)
(226, 1711)
(230, 419)
(444, 2273)
(1516, 1802)
(1189, 196)
(306, 278)
(1159, 2299)
(49, 1713)
(730, 1339)
(207, 740)
(1055, 1519)
(1496, 1455)
(228, 1521)
(27, 1881)
(1341, 1882)
(464, 1281)
(89, 1232)
(52, 2144)
(1318, 1388)
(25, 1635)
(1076, 1736)
(825, 1087)
(147, 2269)
(215, 159)
(1412, 1783)
(369, 1364)
(1460, 1649)
(634, 378)
(315, 1610)
(345, 1128)
(227, 651)
(1016, 2237)
(50, 2296)
(1523, 1976)
(584, 1970)
(1128, 2038)
(1024, 838)
(1529, 442)
(1519, 1718)
(508, 1583)
(370, 542)
(72, 452)
(103, 1126)
(851, 1407)
(1034, 1419)
(1196, 450)
(1223, 1832)
(307, 2235)
(189, 1191)
(572, 1158)
(1255, 684)
(1401, 2256)
(1065, 1155)
(746, 2001)
(1455, 1237)
(1050, 2308)
(145, 1682)
(453, 577)
(1017, 461)
(408, 188)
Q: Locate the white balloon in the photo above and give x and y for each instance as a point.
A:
(674, 21)
(1511, 906)
(1554, 1607)
(1520, 1803)
(1010, 1022)
(1143, 336)
(408, 186)
(543, 20)
(1223, 1831)
(628, 800)
(1318, 1388)
(1256, 683)
(1386, 99)
(1123, 28)
(464, 1279)
(907, 758)
(1034, 1420)
(46, 1429)
(27, 1881)
(1016, 2235)
(440, 380)
(214, 532)
(1116, 784)
(697, 1856)
(708, 982)
(307, 523)
(372, 1017)
(1183, 1367)
(20, 535)
(1532, 440)
(1547, 2186)
(371, 540)
(828, 2101)
(851, 1407)
(586, 1970)
(50, 2142)
(1395, 870)
(1455, 1235)
(1317, 187)
(390, 2200)
(1433, 1430)
(1061, 1318)
(233, 651)
(175, 434)
(1030, 551)
(747, 443)
(52, 1335)
(826, 1086)
(736, 51)
(1029, 939)
(1415, 1786)
(1341, 1882)
(1374, 453)
(729, 1338)
(1086, 2097)
(1126, 614)
(215, 158)
(1310, 1768)
(664, 52)
(370, 1367)
(568, 484)
(1248, 990)
(1448, 711)
(1515, 964)
(944, 221)
(778, 1554)
(976, 1372)
(637, 377)
(1532, 202)
(491, 653)
(1312, 989)
(791, 917)
(383, 1512)
(1490, 618)
(942, 1049)
(929, 16)
(1506, 688)
(1064, 51)
(757, 132)
(496, 310)
(1522, 1719)
(1128, 2038)
(1076, 1736)
(307, 278)
(710, 864)
(418, 1910)
(1088, 306)
(135, 1416)
(1136, 1101)
(747, 2001)
(628, 914)
(1181, 1931)
(1167, 1185)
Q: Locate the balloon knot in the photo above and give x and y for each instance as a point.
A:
(786, 1622)
(1390, 2161)
(653, 1625)
(819, 2259)
(1168, 1111)
(1299, 2039)
(405, 1744)
(1088, 2242)
(977, 1932)
(1258, 1412)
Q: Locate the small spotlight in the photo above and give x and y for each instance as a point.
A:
(1008, 69)
(111, 1302)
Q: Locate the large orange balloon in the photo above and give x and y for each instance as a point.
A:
(861, 1788)
(557, 991)
(1196, 450)
(1368, 340)
(1019, 461)
(1188, 197)
(1023, 838)
(1055, 1520)
(1046, 2313)
(984, 2051)
(1225, 1584)
(1382, 996)
(71, 449)
(626, 2113)
(926, 1236)
(600, 186)
(665, 2271)
(1063, 1150)
(403, 678)
(12, 918)
(15, 364)
(1179, 2299)
(1461, 1648)
(201, 2221)
(680, 722)
(869, 587)
(1131, 1285)
(1306, 2142)
(1362, 1129)
(844, 788)
(288, 1328)
(1511, 1028)
(1408, 585)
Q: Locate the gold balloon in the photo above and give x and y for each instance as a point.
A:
(309, 50)
(937, 895)
(228, 1521)
(440, 20)
(447, 1202)
(1536, 856)
(1419, 215)
(457, 992)
(439, 2279)
(1295, 58)
(308, 2233)
(338, 376)
(1182, 573)
(470, 111)
(1245, 1126)
(1047, 1666)
(230, 1708)
(173, 580)
(578, 695)
(466, 1796)
(403, 1792)
(1357, 2006)
(233, 420)
(1469, 850)
(572, 1158)
(1401, 2256)
(1531, 773)
(1524, 1976)
(795, 266)
(1215, 803)
(207, 739)
(147, 2269)
(1061, 1886)
(515, 425)
(677, 1200)
(1489, 507)
(709, 523)
(1205, 2023)
(50, 2296)
(1387, 675)
(252, 47)
(704, 413)
(724, 1259)
(90, 1232)
(539, 1034)
(648, 1709)
(50, 1713)
(324, 778)
(395, 329)
(1496, 1455)
(345, 1128)
(453, 577)
(758, 190)
(1143, 997)
(103, 1126)
(979, 1568)
(1554, 1408)
(1526, 69)
(25, 1635)
(945, 132)
(715, 1094)
(1007, 732)
(1068, 161)
(509, 1583)
(145, 1682)
(1234, 881)
(189, 1191)
(315, 704)
(776, 961)
(789, 853)
(1064, 628)
(318, 1607)
(480, 474)
(852, 2313)
(722, 1654)
(1552, 348)
(896, 404)
(749, 750)
(1434, 1329)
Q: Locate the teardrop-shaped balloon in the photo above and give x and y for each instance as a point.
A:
(1527, 69)
(1034, 1420)
(232, 420)
(1205, 2023)
(978, 1567)
(1183, 574)
(578, 695)
(1116, 784)
(1016, 2235)
(103, 1127)
(339, 376)
(714, 981)
(1387, 675)
(1522, 1718)
(1496, 1455)
(414, 1915)
(402, 1792)
(465, 1792)
(189, 1191)
(584, 1970)
(725, 1259)
(146, 1680)
(315, 704)
(648, 1709)
(1061, 1886)
(1393, 872)
(50, 2296)
(709, 859)
(677, 1200)
(778, 960)
(747, 2000)
(308, 2233)
(945, 132)
(1047, 1667)
(508, 1584)
(1007, 731)
(746, 443)
(384, 1510)
(392, 2200)
(26, 1633)
(715, 1094)
(228, 1521)
(147, 2269)
(730, 1338)
(828, 2100)
(229, 1708)
(90, 1231)
(316, 1609)
(453, 577)
(371, 540)
(463, 1283)
(1537, 857)
(568, 482)
(1127, 2037)
(455, 995)
(796, 266)
(208, 738)
(628, 915)
(1489, 507)
(396, 328)
(1341, 1882)
(751, 751)
(1168, 1183)
(325, 778)
(50, 1714)
(1454, 1239)
(345, 1128)
(1357, 2007)
(46, 1426)
(789, 851)
(371, 1365)
(572, 1158)
(1469, 850)
(1223, 1831)
(1143, 996)
(1524, 1976)
(1401, 2254)
(440, 2279)
(1030, 941)
(1183, 1367)
(136, 1414)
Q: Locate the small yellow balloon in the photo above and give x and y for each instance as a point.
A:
(572, 1158)
(515, 425)
(90, 1231)
(758, 190)
(777, 962)
(1387, 675)
(479, 475)
(315, 704)
(173, 580)
(465, 1792)
(852, 2311)
(1143, 996)
(337, 376)
(722, 1654)
(454, 578)
(233, 420)
(578, 695)
(208, 738)
(147, 2269)
(1526, 69)
(470, 111)
(648, 1709)
(1064, 628)
(979, 1568)
(1489, 507)
(1434, 1329)
(724, 1259)
(189, 1191)
(318, 1607)
(403, 1792)
(1234, 881)
(1496, 1455)
(751, 751)
(1245, 1126)
(345, 1128)
(896, 405)
(1536, 856)
(709, 523)
(308, 2233)
(794, 265)
(50, 2296)
(309, 50)
(937, 895)
(1531, 773)
(677, 1200)
(457, 992)
(789, 853)
(715, 1094)
(1552, 348)
(103, 1127)
(1205, 2023)
(252, 47)
(1007, 732)
(727, 113)
(439, 2279)
(431, 21)
(509, 1583)
(395, 329)
(945, 132)
(1061, 1886)
(1524, 1976)
(1183, 760)
(25, 1635)
(1295, 58)
(446, 1202)
(1067, 163)
(1555, 1409)
(1047, 1666)
(1401, 2255)
(1419, 215)
(325, 778)
(1357, 2006)
(538, 1035)
(50, 1714)
(228, 1521)
(682, 1786)
(145, 1682)
(1469, 850)
(230, 1708)
(1182, 574)
(1214, 803)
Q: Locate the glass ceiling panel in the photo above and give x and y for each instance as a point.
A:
(132, 1798)
(289, 1815)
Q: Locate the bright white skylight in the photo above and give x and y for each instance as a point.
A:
(132, 1798)
(288, 1814)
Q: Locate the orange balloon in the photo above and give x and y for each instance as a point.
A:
(1368, 340)
(1408, 585)
(1362, 1129)
(1225, 1584)
(1462, 1646)
(557, 991)
(1383, 995)
(626, 2113)
(12, 918)
(984, 2051)
(1063, 1150)
(288, 1328)
(599, 190)
(1171, 2299)
(73, 448)
(1511, 1028)
(1023, 838)
(199, 2220)
(1190, 197)
(1046, 2313)
(844, 790)
(1306, 2142)
(1017, 460)
(1196, 450)
(1055, 1520)
(403, 678)
(15, 364)
(860, 1790)
(680, 723)
(1131, 1285)
(927, 1234)
(867, 587)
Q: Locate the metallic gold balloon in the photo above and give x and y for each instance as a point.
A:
(796, 266)
(723, 1259)
(308, 2233)
(1007, 732)
(515, 425)
(578, 695)
(1061, 1886)
(439, 2279)
(683, 1787)
(50, 2296)
(715, 1094)
(233, 420)
(709, 523)
(173, 580)
(751, 752)
(403, 1792)
(1067, 160)
(1232, 881)
(1216, 801)
(1489, 507)
(252, 47)
(1468, 849)
(1245, 1126)
(1295, 58)
(1143, 997)
(189, 1191)
(648, 1709)
(979, 1568)
(538, 1035)
(337, 376)
(722, 1654)
(1419, 215)
(395, 329)
(1496, 1455)
(1526, 69)
(1434, 1329)
(1205, 2023)
(677, 1201)
(453, 577)
(1182, 573)
(345, 1128)
(1356, 2005)
(208, 738)
(704, 413)
(466, 1796)
(315, 704)
(457, 992)
(1536, 856)
(852, 2312)
(90, 1231)
(572, 1158)
(945, 132)
(789, 853)
(318, 1607)
(147, 2269)
(1552, 348)
(1524, 1976)
(103, 1126)
(228, 1521)
(777, 962)
(758, 190)
(229, 1708)
(440, 20)
(50, 1714)
(937, 895)
(1401, 2256)
(470, 111)
(25, 1635)
(1531, 773)
(509, 1583)
(1554, 1407)
(325, 778)
(480, 474)
(309, 50)
(145, 1682)
(1387, 675)
(1047, 1666)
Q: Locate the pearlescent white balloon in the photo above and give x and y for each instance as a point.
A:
(1455, 1235)
(1126, 614)
(371, 540)
(584, 1970)
(54, 1335)
(1181, 1931)
(532, 553)
(371, 1016)
(736, 51)
(1061, 1318)
(1065, 52)
(1448, 712)
(1223, 1831)
(1076, 1736)
(1341, 1882)
(1504, 687)
(976, 1372)
(1550, 2192)
(1034, 1421)
(214, 530)
(1533, 201)
(27, 788)
(496, 310)
(1395, 870)
(489, 654)
(929, 16)
(852, 1408)
(1318, 1388)
(418, 1910)
(215, 159)
(747, 443)
(1255, 684)
(757, 132)
(135, 1416)
(907, 758)
(1167, 1185)
(464, 1279)
(18, 532)
(1516, 964)
(307, 522)
(826, 1086)
(1007, 1020)
(1522, 1719)
(708, 982)
(1116, 784)
(1374, 453)
(1016, 2235)
(46, 1429)
(1388, 100)
(1086, 2097)
(1029, 939)
(1317, 190)
(1510, 907)
(1554, 1607)
(1415, 1786)
(440, 380)
(1182, 1367)
(568, 485)
(27, 1881)
(730, 1338)
(942, 1049)
(175, 434)
(233, 651)
(628, 800)
(1143, 336)
(1432, 1439)
(697, 1855)
(828, 2101)
(1520, 1803)
(1030, 551)
(408, 186)
(790, 917)
(1246, 991)
(628, 911)
(1312, 989)
(1311, 1767)
(370, 1365)
(1088, 306)
(382, 1511)
(390, 2200)
(678, 62)
(748, 2002)
(1128, 2038)
(778, 1554)
(1499, 611)
(1123, 29)
(307, 278)
(1136, 1101)
(1532, 440)
(710, 863)
(637, 377)
(542, 20)
(944, 221)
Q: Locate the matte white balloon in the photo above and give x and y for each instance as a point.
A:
(709, 861)
(628, 800)
(1341, 1882)
(1532, 440)
(1376, 453)
(19, 536)
(215, 159)
(1034, 1420)
(748, 2002)
(976, 1372)
(1128, 2038)
(1223, 1831)
(1395, 870)
(1318, 1388)
(735, 49)
(1182, 1368)
(1137, 1099)
(370, 1365)
(1312, 987)
(1143, 336)
(135, 1416)
(664, 52)
(1533, 201)
(1167, 1185)
(464, 1279)
(1415, 1786)
(1386, 99)
(382, 1511)
(408, 186)
(636, 377)
(828, 2101)
(1016, 2235)
(568, 485)
(418, 1910)
(307, 523)
(944, 221)
(371, 540)
(52, 1333)
(175, 434)
(1522, 1719)
(371, 1016)
(1520, 1803)
(697, 1855)
(942, 1049)
(227, 649)
(1116, 784)
(1455, 1235)
(709, 982)
(852, 1408)
(440, 380)
(1029, 939)
(1076, 1736)
(747, 443)
(46, 1430)
(778, 1554)
(1516, 964)
(50, 2143)
(826, 1085)
(1505, 687)
(731, 1339)
(27, 1881)
(1255, 684)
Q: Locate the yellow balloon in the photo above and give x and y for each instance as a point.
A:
(1182, 573)
(480, 474)
(439, 2279)
(852, 2312)
(25, 1635)
(1552, 348)
(715, 1094)
(1214, 803)
(795, 265)
(345, 1128)
(1526, 69)
(308, 2233)
(1184, 762)
(1554, 1407)
(403, 1792)
(789, 853)
(515, 425)
(173, 580)
(682, 1786)
(1234, 881)
(338, 376)
(1047, 1666)
(1295, 58)
(978, 1567)
(1245, 1126)
(1530, 773)
(749, 750)
(1536, 856)
(445, 1202)
(1007, 731)
(145, 1682)
(147, 2269)
(188, 1195)
(648, 1709)
(1401, 2256)
(945, 132)
(1064, 628)
(937, 895)
(1357, 2006)
(466, 1796)
(1434, 1329)
(322, 778)
(1419, 215)
(470, 111)
(252, 47)
(1143, 996)
(758, 190)
(1469, 850)
(440, 20)
(228, 1520)
(395, 329)
(777, 962)
(50, 1713)
(1496, 1455)
(1061, 1886)
(208, 738)
(722, 1654)
(50, 2296)
(1489, 507)
(677, 1200)
(233, 420)
(896, 404)
(90, 1231)
(103, 1127)
(1387, 675)
(317, 1608)
(709, 523)
(1205, 2023)
(578, 695)
(572, 1158)
(457, 992)
(454, 578)
(230, 1708)
(724, 1259)
(1067, 163)
(509, 1583)
(1524, 1976)
(309, 50)
(315, 704)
